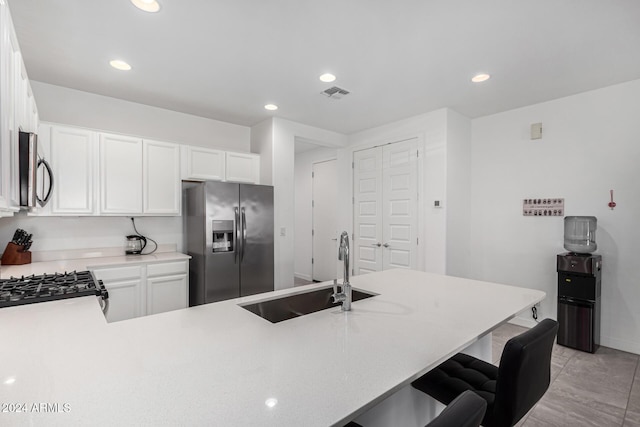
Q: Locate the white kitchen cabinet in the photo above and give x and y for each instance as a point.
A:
(145, 289)
(203, 163)
(73, 161)
(167, 287)
(161, 178)
(9, 122)
(167, 294)
(242, 167)
(120, 174)
(126, 291)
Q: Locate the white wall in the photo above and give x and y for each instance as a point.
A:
(590, 145)
(58, 233)
(303, 211)
(262, 143)
(432, 129)
(73, 107)
(458, 253)
(283, 154)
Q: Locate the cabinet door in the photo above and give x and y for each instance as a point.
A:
(161, 175)
(120, 174)
(73, 157)
(167, 293)
(124, 300)
(203, 163)
(126, 291)
(243, 167)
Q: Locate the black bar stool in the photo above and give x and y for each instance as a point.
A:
(511, 389)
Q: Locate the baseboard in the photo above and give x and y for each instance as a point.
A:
(623, 345)
(302, 276)
(615, 343)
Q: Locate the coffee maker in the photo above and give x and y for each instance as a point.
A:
(135, 244)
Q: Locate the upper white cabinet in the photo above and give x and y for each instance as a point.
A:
(120, 174)
(73, 161)
(242, 167)
(161, 177)
(106, 174)
(208, 164)
(203, 163)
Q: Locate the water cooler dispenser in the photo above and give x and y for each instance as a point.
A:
(579, 286)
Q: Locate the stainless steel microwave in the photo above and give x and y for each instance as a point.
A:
(34, 172)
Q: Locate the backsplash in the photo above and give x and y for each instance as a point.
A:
(73, 233)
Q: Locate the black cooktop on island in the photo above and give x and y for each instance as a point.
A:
(50, 287)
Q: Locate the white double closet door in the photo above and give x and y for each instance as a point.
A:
(386, 207)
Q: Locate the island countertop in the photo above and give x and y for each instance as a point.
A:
(219, 364)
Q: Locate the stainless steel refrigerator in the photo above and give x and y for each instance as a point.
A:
(229, 235)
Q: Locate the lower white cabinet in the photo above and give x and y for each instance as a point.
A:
(167, 294)
(125, 287)
(167, 287)
(145, 289)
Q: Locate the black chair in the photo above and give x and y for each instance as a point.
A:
(466, 410)
(511, 389)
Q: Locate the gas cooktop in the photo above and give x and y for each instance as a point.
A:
(49, 287)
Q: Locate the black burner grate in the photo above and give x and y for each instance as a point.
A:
(49, 287)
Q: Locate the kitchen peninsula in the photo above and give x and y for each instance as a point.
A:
(219, 364)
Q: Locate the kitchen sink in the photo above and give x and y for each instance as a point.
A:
(290, 306)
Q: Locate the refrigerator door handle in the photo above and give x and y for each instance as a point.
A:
(244, 234)
(235, 247)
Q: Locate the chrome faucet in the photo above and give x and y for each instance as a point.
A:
(343, 255)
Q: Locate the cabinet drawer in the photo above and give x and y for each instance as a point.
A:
(118, 273)
(167, 268)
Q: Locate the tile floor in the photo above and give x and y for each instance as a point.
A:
(599, 390)
(297, 281)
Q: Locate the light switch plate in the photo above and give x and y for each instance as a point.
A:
(536, 131)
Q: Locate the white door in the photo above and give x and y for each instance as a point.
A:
(161, 177)
(72, 160)
(120, 174)
(203, 163)
(325, 222)
(399, 204)
(167, 294)
(242, 167)
(367, 210)
(385, 207)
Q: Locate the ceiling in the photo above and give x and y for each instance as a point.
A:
(226, 59)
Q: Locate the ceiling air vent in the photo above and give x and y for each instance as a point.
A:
(335, 92)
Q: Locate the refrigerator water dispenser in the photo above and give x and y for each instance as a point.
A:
(222, 236)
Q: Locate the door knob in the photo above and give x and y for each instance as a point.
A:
(386, 245)
(376, 244)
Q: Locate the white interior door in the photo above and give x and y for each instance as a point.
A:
(399, 202)
(386, 207)
(325, 223)
(367, 210)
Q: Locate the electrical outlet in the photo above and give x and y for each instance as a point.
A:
(535, 309)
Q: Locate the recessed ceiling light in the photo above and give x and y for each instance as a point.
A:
(120, 65)
(327, 78)
(147, 5)
(271, 107)
(271, 402)
(480, 78)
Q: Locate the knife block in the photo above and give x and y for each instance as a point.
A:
(15, 255)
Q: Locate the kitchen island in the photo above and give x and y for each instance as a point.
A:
(219, 364)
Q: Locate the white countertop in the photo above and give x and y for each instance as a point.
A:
(81, 264)
(217, 364)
